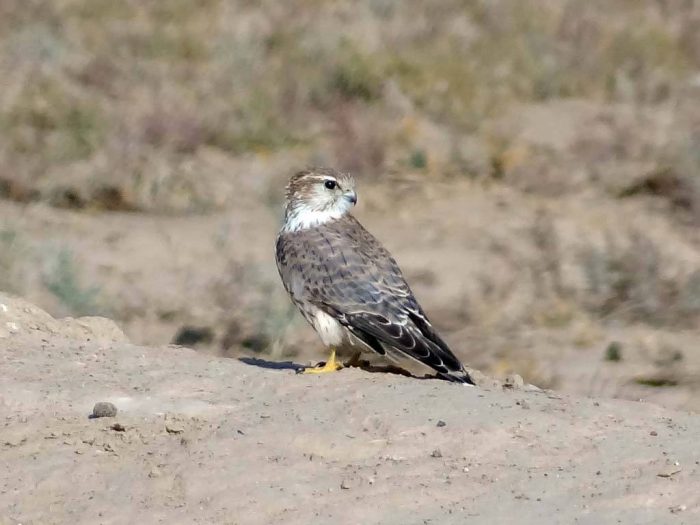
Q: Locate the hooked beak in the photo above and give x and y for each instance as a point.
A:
(351, 196)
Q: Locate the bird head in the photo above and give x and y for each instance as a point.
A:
(316, 196)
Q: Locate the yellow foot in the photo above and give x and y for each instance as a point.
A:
(329, 366)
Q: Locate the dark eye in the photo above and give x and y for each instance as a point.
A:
(330, 184)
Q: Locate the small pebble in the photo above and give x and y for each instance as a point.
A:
(104, 409)
(653, 433)
(436, 453)
(671, 471)
(441, 423)
(118, 427)
(174, 428)
(513, 381)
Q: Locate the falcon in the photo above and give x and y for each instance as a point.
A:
(347, 285)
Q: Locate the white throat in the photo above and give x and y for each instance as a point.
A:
(302, 218)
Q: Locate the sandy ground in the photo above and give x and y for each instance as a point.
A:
(202, 439)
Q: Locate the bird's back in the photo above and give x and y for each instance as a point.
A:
(342, 258)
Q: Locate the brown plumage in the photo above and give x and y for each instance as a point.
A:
(346, 284)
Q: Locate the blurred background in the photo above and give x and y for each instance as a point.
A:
(534, 166)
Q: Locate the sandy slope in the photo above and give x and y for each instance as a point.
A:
(210, 440)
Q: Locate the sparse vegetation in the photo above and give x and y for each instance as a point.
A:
(256, 315)
(61, 278)
(418, 160)
(627, 280)
(121, 85)
(11, 270)
(613, 352)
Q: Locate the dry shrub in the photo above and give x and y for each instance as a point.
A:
(681, 191)
(255, 314)
(628, 280)
(357, 141)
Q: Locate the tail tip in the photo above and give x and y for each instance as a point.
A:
(459, 376)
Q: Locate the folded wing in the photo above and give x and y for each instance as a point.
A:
(348, 274)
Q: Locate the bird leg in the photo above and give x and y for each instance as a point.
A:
(329, 366)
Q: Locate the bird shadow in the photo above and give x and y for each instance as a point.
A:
(271, 365)
(362, 365)
(365, 366)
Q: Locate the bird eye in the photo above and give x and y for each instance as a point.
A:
(330, 184)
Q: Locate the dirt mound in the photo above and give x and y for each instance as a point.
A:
(19, 317)
(199, 439)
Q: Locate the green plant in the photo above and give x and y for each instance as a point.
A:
(61, 279)
(613, 352)
(418, 160)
